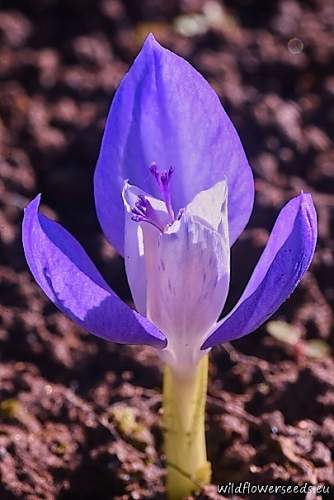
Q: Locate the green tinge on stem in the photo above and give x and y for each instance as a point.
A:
(184, 400)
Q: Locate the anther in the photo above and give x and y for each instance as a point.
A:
(144, 212)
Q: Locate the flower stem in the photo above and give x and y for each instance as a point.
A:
(183, 421)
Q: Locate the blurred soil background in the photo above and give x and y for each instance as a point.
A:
(79, 418)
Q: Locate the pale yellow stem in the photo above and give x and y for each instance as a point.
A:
(184, 400)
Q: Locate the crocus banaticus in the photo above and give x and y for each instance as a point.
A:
(173, 191)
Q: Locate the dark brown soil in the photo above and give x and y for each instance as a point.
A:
(79, 418)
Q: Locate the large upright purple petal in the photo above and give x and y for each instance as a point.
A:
(71, 281)
(285, 259)
(164, 111)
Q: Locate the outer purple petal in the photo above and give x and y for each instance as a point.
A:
(164, 111)
(285, 259)
(71, 281)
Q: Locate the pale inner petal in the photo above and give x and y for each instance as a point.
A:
(135, 261)
(188, 281)
(179, 277)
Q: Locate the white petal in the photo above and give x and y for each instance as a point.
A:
(135, 260)
(211, 206)
(187, 286)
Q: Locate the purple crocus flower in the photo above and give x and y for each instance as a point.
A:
(173, 191)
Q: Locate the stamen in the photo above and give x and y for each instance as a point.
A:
(144, 212)
(163, 180)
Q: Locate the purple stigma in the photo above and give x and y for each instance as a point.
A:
(163, 180)
(144, 212)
